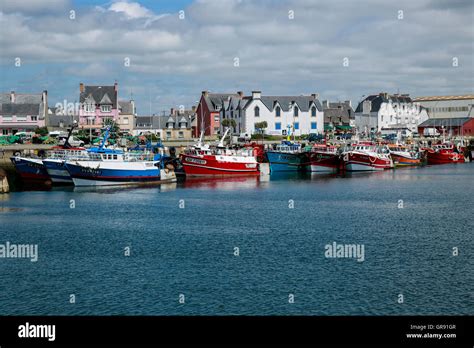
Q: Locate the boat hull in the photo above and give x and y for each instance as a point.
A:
(324, 162)
(361, 162)
(286, 162)
(97, 173)
(209, 165)
(31, 169)
(434, 157)
(57, 171)
(400, 160)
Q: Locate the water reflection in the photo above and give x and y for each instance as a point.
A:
(230, 183)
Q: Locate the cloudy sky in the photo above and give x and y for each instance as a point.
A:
(165, 53)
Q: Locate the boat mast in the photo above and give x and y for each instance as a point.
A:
(221, 142)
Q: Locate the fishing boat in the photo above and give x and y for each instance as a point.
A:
(324, 158)
(366, 156)
(114, 167)
(443, 154)
(287, 156)
(402, 156)
(30, 169)
(204, 160)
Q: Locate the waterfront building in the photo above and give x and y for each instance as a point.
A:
(207, 112)
(59, 120)
(449, 126)
(126, 117)
(383, 112)
(450, 106)
(97, 104)
(22, 112)
(174, 126)
(338, 116)
(284, 115)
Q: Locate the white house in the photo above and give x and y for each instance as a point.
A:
(284, 114)
(383, 112)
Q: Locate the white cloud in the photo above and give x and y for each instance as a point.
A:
(277, 55)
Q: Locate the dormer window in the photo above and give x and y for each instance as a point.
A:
(295, 111)
(89, 107)
(313, 111)
(256, 111)
(105, 108)
(278, 111)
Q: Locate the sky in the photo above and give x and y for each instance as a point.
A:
(164, 53)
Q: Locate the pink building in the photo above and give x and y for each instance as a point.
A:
(97, 104)
(22, 112)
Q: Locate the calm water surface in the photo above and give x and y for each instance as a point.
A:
(190, 251)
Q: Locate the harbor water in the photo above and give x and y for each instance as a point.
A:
(246, 246)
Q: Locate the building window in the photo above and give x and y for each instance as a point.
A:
(7, 118)
(313, 111)
(314, 125)
(105, 108)
(295, 111)
(278, 111)
(168, 135)
(256, 111)
(34, 118)
(5, 131)
(91, 121)
(125, 121)
(382, 118)
(107, 120)
(278, 126)
(180, 135)
(21, 118)
(297, 125)
(89, 107)
(216, 118)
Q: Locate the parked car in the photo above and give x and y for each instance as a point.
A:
(73, 141)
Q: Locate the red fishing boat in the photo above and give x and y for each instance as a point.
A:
(203, 160)
(443, 154)
(366, 156)
(324, 158)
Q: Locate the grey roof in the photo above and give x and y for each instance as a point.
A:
(20, 109)
(126, 107)
(215, 101)
(304, 102)
(162, 122)
(338, 112)
(447, 122)
(100, 95)
(55, 120)
(25, 104)
(378, 99)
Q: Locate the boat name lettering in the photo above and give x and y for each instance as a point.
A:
(195, 160)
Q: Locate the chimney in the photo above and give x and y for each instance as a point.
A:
(205, 93)
(134, 112)
(12, 96)
(325, 104)
(193, 108)
(240, 93)
(256, 94)
(172, 113)
(81, 87)
(116, 86)
(348, 102)
(315, 95)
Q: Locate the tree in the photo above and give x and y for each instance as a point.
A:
(229, 122)
(261, 126)
(42, 131)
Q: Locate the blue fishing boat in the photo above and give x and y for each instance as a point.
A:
(287, 157)
(30, 169)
